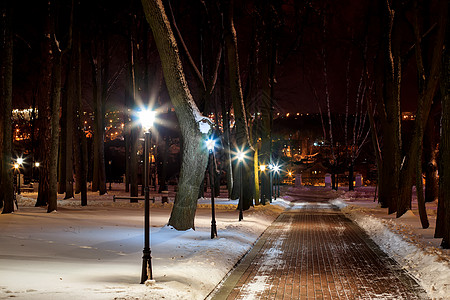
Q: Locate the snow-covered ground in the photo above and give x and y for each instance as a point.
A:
(95, 252)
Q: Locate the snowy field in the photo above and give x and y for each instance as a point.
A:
(95, 252)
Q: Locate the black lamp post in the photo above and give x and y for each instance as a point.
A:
(17, 166)
(240, 157)
(262, 168)
(110, 173)
(271, 181)
(147, 117)
(276, 169)
(210, 145)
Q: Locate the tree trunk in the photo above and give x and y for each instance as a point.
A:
(6, 75)
(70, 93)
(192, 124)
(428, 82)
(419, 191)
(443, 214)
(226, 132)
(256, 174)
(430, 159)
(242, 137)
(99, 78)
(80, 143)
(388, 79)
(45, 114)
(53, 155)
(62, 146)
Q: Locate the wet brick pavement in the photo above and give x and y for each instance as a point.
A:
(312, 251)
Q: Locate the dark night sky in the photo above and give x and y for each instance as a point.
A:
(294, 73)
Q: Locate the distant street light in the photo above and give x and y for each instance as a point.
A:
(240, 157)
(271, 180)
(17, 165)
(262, 169)
(146, 117)
(276, 170)
(37, 165)
(210, 143)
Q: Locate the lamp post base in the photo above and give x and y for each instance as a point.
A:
(146, 266)
(213, 229)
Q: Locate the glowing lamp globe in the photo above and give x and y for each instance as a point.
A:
(147, 117)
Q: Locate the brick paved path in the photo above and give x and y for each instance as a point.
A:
(313, 252)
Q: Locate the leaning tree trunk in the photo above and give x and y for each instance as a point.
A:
(6, 75)
(194, 127)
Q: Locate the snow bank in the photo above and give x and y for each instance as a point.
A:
(427, 263)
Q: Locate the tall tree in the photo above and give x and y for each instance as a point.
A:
(194, 127)
(443, 214)
(266, 34)
(48, 115)
(387, 94)
(242, 136)
(6, 76)
(428, 78)
(80, 143)
(100, 67)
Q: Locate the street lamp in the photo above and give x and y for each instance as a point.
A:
(276, 169)
(271, 181)
(210, 143)
(16, 168)
(240, 157)
(262, 169)
(146, 117)
(17, 165)
(36, 165)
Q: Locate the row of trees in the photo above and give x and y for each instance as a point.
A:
(196, 59)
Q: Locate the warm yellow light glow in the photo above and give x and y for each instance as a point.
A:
(16, 166)
(37, 164)
(262, 168)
